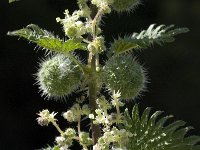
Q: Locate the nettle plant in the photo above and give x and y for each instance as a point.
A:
(111, 126)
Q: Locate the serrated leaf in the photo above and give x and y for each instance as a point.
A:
(171, 128)
(153, 118)
(47, 40)
(149, 133)
(162, 121)
(180, 134)
(145, 116)
(192, 140)
(123, 45)
(57, 45)
(128, 118)
(135, 113)
(146, 38)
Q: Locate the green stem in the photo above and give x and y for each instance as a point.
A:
(97, 63)
(57, 127)
(79, 125)
(95, 21)
(96, 132)
(117, 106)
(93, 62)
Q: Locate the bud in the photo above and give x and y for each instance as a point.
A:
(71, 31)
(91, 116)
(85, 139)
(69, 116)
(91, 47)
(85, 110)
(70, 133)
(73, 27)
(97, 45)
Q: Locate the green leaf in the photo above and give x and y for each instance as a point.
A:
(150, 133)
(146, 38)
(174, 126)
(191, 140)
(180, 134)
(48, 147)
(11, 1)
(123, 45)
(145, 116)
(128, 118)
(55, 44)
(47, 40)
(153, 118)
(196, 147)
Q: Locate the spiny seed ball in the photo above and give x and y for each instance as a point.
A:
(124, 5)
(58, 76)
(125, 74)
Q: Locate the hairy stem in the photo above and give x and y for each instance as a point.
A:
(97, 62)
(79, 125)
(95, 21)
(57, 127)
(117, 106)
(96, 132)
(93, 62)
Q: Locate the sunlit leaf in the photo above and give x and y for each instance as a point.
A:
(151, 133)
(159, 35)
(47, 40)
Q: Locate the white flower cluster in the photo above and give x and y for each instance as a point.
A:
(112, 135)
(85, 140)
(116, 99)
(45, 117)
(73, 27)
(75, 112)
(102, 116)
(118, 138)
(65, 140)
(97, 45)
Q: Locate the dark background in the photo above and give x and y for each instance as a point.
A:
(174, 69)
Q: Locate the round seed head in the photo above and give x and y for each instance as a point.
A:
(58, 76)
(125, 74)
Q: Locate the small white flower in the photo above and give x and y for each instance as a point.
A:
(79, 23)
(116, 95)
(60, 139)
(45, 117)
(69, 115)
(96, 147)
(91, 116)
(65, 147)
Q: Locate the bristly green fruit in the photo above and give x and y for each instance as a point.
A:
(58, 76)
(125, 74)
(125, 5)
